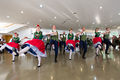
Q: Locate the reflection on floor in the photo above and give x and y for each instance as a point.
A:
(93, 68)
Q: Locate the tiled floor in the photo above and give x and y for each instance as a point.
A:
(93, 68)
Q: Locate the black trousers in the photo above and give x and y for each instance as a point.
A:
(62, 43)
(47, 44)
(56, 48)
(108, 44)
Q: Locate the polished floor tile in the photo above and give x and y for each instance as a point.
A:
(93, 68)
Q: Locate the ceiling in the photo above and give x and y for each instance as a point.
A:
(63, 13)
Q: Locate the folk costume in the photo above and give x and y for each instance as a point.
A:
(70, 45)
(35, 46)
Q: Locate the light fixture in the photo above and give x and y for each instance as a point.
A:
(77, 20)
(7, 16)
(28, 23)
(55, 17)
(41, 6)
(93, 23)
(40, 20)
(21, 12)
(119, 14)
(101, 7)
(97, 18)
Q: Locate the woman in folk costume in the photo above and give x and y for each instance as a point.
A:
(13, 46)
(97, 41)
(70, 44)
(35, 46)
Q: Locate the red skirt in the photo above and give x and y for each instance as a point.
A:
(13, 44)
(70, 42)
(37, 43)
(77, 41)
(96, 40)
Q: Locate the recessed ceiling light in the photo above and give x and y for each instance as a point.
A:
(7, 16)
(41, 6)
(28, 22)
(93, 23)
(40, 20)
(55, 17)
(119, 14)
(77, 20)
(21, 12)
(101, 7)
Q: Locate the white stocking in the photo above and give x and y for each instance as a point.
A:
(13, 56)
(99, 46)
(2, 47)
(39, 60)
(70, 55)
(24, 50)
(97, 50)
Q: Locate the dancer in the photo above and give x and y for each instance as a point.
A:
(48, 42)
(83, 42)
(70, 44)
(119, 41)
(97, 41)
(106, 39)
(35, 46)
(54, 40)
(2, 42)
(13, 46)
(63, 42)
(77, 41)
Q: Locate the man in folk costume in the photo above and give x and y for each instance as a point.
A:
(54, 41)
(13, 46)
(63, 42)
(83, 42)
(106, 40)
(70, 44)
(35, 46)
(97, 41)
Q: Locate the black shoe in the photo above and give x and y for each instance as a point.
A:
(38, 66)
(55, 61)
(106, 53)
(84, 57)
(70, 59)
(97, 54)
(17, 55)
(13, 60)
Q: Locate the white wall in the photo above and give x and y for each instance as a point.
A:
(28, 32)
